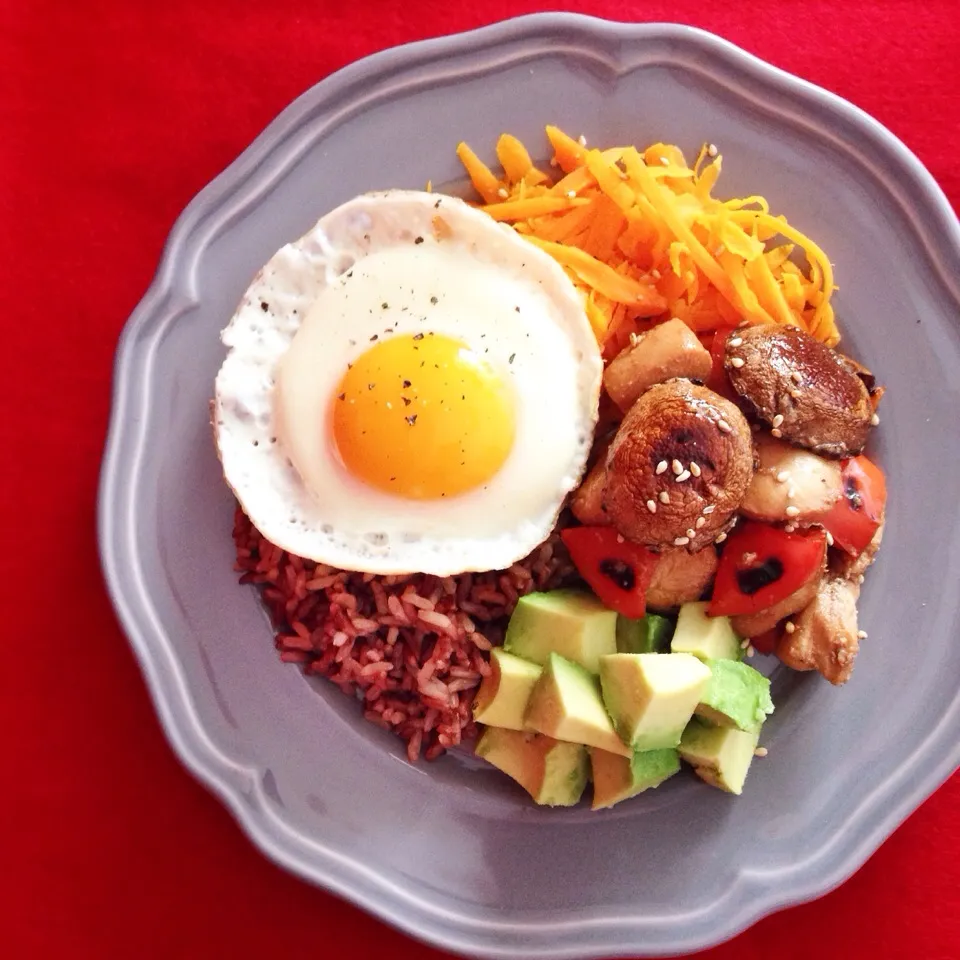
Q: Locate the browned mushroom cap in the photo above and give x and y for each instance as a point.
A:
(680, 576)
(807, 392)
(678, 466)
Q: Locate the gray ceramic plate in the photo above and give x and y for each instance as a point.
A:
(450, 852)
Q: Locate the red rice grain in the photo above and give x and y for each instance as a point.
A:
(412, 649)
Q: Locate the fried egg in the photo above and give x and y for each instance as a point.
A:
(409, 387)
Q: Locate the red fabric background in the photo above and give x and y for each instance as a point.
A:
(114, 113)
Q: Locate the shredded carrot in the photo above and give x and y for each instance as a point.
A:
(644, 239)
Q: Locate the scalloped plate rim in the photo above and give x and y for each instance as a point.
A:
(238, 784)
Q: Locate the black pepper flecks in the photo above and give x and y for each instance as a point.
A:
(511, 358)
(341, 396)
(264, 306)
(406, 383)
(374, 337)
(434, 301)
(412, 419)
(418, 336)
(516, 309)
(384, 305)
(418, 240)
(406, 401)
(370, 386)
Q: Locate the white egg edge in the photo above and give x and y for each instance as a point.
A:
(418, 214)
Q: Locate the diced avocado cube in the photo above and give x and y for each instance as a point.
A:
(502, 698)
(721, 756)
(736, 696)
(572, 623)
(709, 638)
(565, 703)
(649, 634)
(651, 696)
(554, 773)
(617, 778)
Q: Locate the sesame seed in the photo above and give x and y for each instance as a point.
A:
(503, 193)
(691, 533)
(783, 476)
(829, 538)
(775, 432)
(721, 538)
(652, 506)
(680, 477)
(709, 508)
(655, 274)
(665, 161)
(571, 193)
(620, 538)
(664, 496)
(861, 634)
(750, 651)
(874, 421)
(719, 250)
(634, 339)
(745, 643)
(712, 150)
(792, 511)
(734, 342)
(681, 541)
(760, 752)
(736, 362)
(796, 377)
(582, 140)
(778, 419)
(795, 394)
(860, 578)
(661, 467)
(701, 521)
(724, 427)
(677, 467)
(791, 492)
(790, 527)
(695, 469)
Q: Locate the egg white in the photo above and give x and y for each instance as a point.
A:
(509, 301)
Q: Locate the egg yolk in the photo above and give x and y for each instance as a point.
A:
(423, 417)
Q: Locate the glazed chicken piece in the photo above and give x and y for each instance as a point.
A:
(824, 635)
(853, 568)
(680, 577)
(810, 395)
(678, 467)
(790, 485)
(666, 352)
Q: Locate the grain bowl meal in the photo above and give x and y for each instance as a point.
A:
(545, 469)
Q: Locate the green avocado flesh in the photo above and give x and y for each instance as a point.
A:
(617, 778)
(720, 756)
(651, 696)
(572, 623)
(736, 696)
(502, 698)
(709, 638)
(566, 704)
(554, 773)
(649, 634)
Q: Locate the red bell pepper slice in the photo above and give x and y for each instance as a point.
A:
(762, 565)
(617, 570)
(854, 518)
(718, 381)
